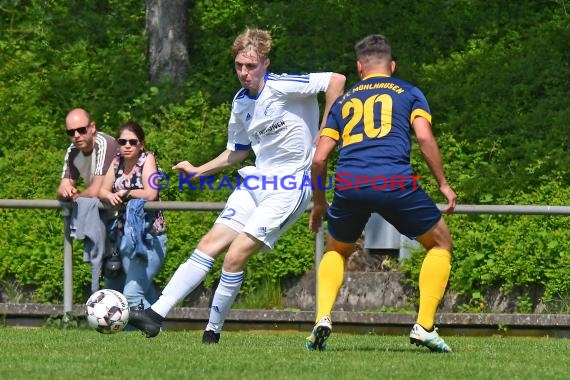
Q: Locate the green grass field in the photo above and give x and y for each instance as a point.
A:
(50, 353)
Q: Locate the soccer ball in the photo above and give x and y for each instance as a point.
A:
(107, 311)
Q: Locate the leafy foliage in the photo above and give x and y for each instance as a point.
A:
(495, 75)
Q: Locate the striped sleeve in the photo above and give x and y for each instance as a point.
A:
(420, 106)
(106, 149)
(69, 171)
(330, 132)
(305, 84)
(237, 133)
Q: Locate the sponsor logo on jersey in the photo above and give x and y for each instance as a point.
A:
(273, 129)
(268, 110)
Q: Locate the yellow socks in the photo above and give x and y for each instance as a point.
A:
(329, 280)
(433, 280)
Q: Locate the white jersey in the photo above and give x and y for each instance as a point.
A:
(280, 124)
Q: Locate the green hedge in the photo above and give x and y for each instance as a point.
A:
(495, 76)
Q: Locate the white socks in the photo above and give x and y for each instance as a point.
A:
(187, 277)
(226, 293)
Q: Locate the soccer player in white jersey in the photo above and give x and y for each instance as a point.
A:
(277, 116)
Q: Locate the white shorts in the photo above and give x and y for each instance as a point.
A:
(265, 214)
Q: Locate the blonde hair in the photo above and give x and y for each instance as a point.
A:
(257, 39)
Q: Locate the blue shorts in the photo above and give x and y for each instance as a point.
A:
(411, 211)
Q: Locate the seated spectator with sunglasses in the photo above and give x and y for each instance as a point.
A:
(138, 236)
(88, 158)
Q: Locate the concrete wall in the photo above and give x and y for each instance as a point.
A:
(373, 291)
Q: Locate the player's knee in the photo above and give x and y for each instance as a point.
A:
(213, 244)
(205, 242)
(344, 249)
(445, 246)
(442, 241)
(436, 239)
(234, 263)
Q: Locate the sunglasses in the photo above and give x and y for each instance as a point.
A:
(80, 130)
(132, 142)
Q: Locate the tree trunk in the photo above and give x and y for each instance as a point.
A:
(167, 28)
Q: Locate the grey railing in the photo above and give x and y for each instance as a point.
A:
(218, 206)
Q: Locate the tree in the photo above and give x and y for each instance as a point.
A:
(167, 28)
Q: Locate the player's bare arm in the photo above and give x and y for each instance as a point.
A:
(334, 90)
(318, 174)
(225, 160)
(432, 156)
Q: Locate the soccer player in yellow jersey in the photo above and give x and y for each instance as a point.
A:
(371, 125)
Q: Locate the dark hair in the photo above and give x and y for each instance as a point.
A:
(134, 127)
(374, 45)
